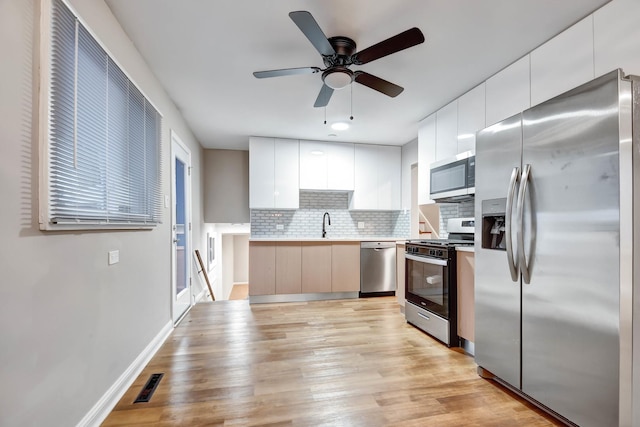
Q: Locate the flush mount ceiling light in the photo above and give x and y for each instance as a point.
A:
(340, 126)
(337, 77)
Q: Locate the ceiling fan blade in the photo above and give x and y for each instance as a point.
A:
(394, 44)
(308, 25)
(324, 96)
(376, 83)
(285, 72)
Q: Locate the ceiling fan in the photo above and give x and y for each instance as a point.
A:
(339, 53)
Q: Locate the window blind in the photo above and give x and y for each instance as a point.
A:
(104, 135)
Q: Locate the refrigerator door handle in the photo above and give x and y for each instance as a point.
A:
(522, 194)
(514, 265)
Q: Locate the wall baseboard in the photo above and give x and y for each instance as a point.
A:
(108, 401)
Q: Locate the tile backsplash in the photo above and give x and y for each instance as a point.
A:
(454, 210)
(307, 220)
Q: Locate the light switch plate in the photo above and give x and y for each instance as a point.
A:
(114, 257)
(166, 201)
(361, 224)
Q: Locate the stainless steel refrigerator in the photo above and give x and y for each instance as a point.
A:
(554, 251)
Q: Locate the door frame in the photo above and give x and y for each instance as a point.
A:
(177, 144)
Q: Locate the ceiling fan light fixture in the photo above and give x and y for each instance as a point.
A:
(340, 126)
(337, 78)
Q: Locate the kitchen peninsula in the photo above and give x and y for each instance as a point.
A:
(304, 269)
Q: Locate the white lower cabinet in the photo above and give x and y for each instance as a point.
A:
(377, 181)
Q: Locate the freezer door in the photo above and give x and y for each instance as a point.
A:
(570, 308)
(497, 296)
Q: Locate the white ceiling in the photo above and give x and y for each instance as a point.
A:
(204, 53)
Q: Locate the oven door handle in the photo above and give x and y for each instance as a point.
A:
(426, 260)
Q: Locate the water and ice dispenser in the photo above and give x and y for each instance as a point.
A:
(493, 224)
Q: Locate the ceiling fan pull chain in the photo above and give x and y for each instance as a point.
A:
(351, 103)
(325, 114)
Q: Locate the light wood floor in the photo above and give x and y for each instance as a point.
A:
(239, 291)
(329, 363)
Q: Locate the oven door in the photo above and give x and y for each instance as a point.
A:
(427, 283)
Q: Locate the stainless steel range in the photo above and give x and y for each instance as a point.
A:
(430, 282)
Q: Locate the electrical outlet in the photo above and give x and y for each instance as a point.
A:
(114, 257)
(361, 224)
(279, 227)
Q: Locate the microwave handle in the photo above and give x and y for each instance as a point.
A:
(426, 260)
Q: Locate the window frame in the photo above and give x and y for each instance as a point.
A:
(44, 132)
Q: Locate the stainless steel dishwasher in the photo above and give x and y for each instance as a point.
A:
(377, 269)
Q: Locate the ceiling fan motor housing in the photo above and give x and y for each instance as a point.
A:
(344, 47)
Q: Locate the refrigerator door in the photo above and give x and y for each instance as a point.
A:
(497, 295)
(570, 308)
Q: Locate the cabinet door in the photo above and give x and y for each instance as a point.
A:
(316, 267)
(426, 156)
(288, 268)
(313, 165)
(617, 37)
(509, 91)
(389, 176)
(365, 191)
(286, 176)
(471, 116)
(447, 131)
(261, 173)
(400, 274)
(262, 272)
(340, 162)
(466, 290)
(345, 267)
(562, 63)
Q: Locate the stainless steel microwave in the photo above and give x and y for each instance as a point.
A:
(453, 179)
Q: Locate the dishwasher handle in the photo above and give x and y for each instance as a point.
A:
(377, 245)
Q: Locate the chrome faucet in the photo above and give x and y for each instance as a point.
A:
(326, 215)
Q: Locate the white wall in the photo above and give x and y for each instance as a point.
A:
(241, 258)
(70, 325)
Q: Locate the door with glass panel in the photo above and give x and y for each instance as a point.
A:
(180, 228)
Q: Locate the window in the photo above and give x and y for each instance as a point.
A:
(101, 155)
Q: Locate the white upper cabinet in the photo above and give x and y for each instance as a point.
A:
(340, 166)
(508, 92)
(313, 165)
(426, 156)
(261, 172)
(287, 187)
(365, 193)
(326, 166)
(471, 117)
(617, 37)
(273, 173)
(377, 178)
(447, 131)
(562, 63)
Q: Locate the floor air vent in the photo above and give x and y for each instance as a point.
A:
(149, 388)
